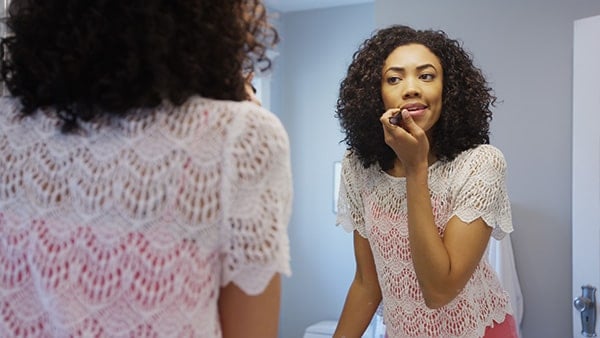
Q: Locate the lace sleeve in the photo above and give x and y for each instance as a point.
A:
(257, 202)
(350, 206)
(482, 190)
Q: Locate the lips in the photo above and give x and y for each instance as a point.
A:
(415, 109)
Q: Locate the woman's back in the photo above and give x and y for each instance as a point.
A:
(130, 226)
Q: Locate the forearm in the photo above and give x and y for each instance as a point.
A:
(430, 258)
(249, 316)
(360, 306)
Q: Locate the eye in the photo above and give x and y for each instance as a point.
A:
(393, 79)
(427, 77)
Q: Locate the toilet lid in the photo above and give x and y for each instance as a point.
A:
(326, 326)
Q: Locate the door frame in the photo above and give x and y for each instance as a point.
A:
(586, 161)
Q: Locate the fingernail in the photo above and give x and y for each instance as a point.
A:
(405, 113)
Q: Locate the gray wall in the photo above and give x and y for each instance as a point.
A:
(525, 49)
(316, 49)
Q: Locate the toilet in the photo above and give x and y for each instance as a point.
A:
(322, 329)
(325, 329)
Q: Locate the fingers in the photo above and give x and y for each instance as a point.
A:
(391, 117)
(393, 128)
(251, 90)
(250, 77)
(401, 119)
(401, 124)
(407, 122)
(407, 139)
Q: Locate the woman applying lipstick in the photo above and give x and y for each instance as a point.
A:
(421, 189)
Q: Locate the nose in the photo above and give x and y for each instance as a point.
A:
(411, 88)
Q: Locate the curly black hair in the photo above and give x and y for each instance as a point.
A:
(466, 97)
(107, 57)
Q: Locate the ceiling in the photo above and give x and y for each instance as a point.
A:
(284, 6)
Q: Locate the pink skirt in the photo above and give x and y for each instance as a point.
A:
(506, 329)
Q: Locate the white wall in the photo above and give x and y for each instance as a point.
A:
(525, 49)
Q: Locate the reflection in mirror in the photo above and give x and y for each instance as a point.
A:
(314, 62)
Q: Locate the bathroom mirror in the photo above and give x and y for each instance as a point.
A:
(528, 63)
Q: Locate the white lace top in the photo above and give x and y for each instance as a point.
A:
(130, 227)
(374, 203)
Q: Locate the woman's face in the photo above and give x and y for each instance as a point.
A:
(413, 79)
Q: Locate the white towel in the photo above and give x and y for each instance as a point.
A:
(502, 259)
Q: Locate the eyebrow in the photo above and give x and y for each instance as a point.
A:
(401, 69)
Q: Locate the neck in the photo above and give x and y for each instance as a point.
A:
(399, 171)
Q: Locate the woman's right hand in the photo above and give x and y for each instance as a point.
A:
(407, 139)
(250, 90)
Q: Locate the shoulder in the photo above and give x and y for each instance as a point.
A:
(482, 150)
(489, 150)
(10, 110)
(483, 156)
(255, 118)
(351, 161)
(239, 118)
(352, 167)
(356, 175)
(231, 109)
(483, 162)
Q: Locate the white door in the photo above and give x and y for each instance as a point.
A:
(586, 169)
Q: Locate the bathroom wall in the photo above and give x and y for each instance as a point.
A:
(525, 49)
(315, 50)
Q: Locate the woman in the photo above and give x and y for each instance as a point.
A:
(141, 193)
(421, 189)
